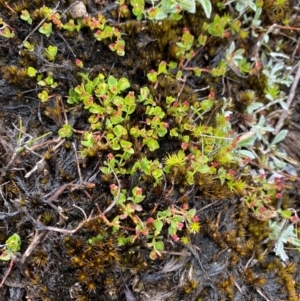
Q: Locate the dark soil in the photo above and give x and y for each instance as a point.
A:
(230, 259)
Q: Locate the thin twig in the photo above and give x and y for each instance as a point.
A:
(4, 215)
(81, 211)
(42, 160)
(11, 264)
(192, 248)
(288, 102)
(116, 197)
(39, 146)
(77, 163)
(182, 87)
(38, 237)
(67, 45)
(261, 293)
(64, 231)
(35, 29)
(207, 206)
(59, 191)
(249, 261)
(59, 211)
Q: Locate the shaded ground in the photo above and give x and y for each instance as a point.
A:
(229, 259)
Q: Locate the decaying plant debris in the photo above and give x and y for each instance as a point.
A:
(56, 195)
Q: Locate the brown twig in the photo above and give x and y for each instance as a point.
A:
(77, 163)
(249, 261)
(11, 9)
(7, 272)
(42, 160)
(35, 29)
(38, 237)
(59, 191)
(282, 118)
(182, 87)
(40, 145)
(261, 293)
(64, 231)
(277, 171)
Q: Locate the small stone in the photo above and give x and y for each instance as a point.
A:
(78, 10)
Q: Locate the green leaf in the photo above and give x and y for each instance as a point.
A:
(126, 145)
(197, 71)
(88, 140)
(206, 5)
(116, 119)
(158, 225)
(29, 46)
(188, 5)
(152, 76)
(6, 33)
(162, 68)
(115, 145)
(43, 96)
(144, 92)
(70, 26)
(152, 144)
(247, 139)
(123, 84)
(206, 104)
(159, 245)
(295, 242)
(26, 16)
(204, 169)
(279, 137)
(202, 39)
(145, 166)
(120, 46)
(246, 154)
(112, 81)
(31, 71)
(153, 255)
(285, 213)
(14, 242)
(179, 75)
(191, 213)
(46, 29)
(119, 130)
(165, 213)
(174, 133)
(65, 131)
(172, 230)
(157, 173)
(6, 255)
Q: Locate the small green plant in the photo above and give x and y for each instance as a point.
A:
(26, 16)
(218, 27)
(50, 53)
(47, 81)
(174, 217)
(31, 72)
(259, 147)
(71, 25)
(43, 96)
(28, 46)
(65, 131)
(46, 29)
(6, 31)
(168, 8)
(284, 232)
(12, 245)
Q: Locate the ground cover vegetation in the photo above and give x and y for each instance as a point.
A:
(148, 150)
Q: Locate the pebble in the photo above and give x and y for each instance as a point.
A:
(78, 10)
